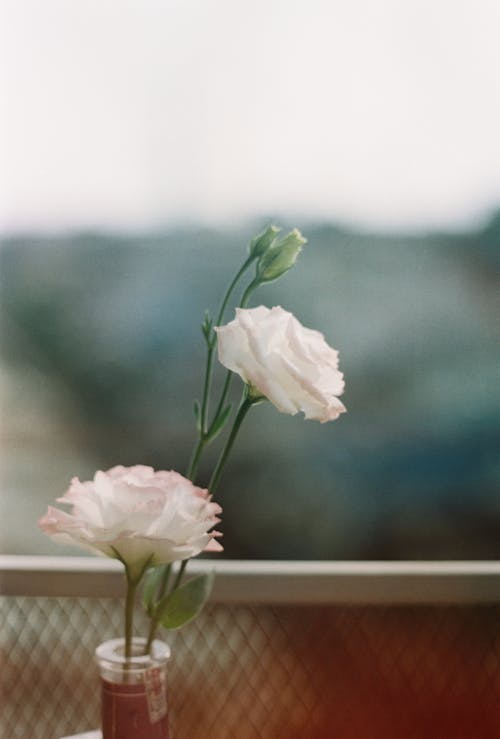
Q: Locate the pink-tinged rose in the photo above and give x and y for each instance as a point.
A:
(138, 515)
(289, 364)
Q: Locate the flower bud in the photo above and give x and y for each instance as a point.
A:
(261, 243)
(280, 257)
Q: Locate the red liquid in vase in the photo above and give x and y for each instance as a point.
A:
(126, 713)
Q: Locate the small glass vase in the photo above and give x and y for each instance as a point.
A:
(134, 690)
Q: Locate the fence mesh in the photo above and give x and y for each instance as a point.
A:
(265, 672)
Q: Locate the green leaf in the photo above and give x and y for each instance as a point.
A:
(219, 422)
(186, 602)
(207, 328)
(152, 585)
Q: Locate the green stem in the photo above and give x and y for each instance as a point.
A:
(155, 620)
(229, 375)
(129, 615)
(204, 435)
(167, 569)
(249, 290)
(231, 287)
(206, 388)
(195, 458)
(210, 357)
(152, 633)
(225, 390)
(180, 574)
(245, 406)
(132, 583)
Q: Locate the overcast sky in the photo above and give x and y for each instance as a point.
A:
(122, 114)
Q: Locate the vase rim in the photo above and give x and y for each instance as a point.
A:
(113, 651)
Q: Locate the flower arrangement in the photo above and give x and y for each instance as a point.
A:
(149, 519)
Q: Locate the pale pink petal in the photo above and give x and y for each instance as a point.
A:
(140, 516)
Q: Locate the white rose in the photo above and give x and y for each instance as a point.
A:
(137, 515)
(289, 364)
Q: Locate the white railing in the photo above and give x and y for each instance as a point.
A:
(290, 582)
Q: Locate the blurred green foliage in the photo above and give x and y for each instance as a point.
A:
(102, 355)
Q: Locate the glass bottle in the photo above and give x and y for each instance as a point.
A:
(134, 690)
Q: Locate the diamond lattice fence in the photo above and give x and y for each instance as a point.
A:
(262, 672)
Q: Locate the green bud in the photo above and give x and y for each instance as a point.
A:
(280, 257)
(261, 243)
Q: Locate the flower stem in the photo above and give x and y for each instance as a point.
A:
(245, 406)
(242, 270)
(167, 569)
(155, 620)
(204, 430)
(225, 390)
(229, 375)
(129, 615)
(180, 573)
(210, 358)
(132, 583)
(249, 290)
(195, 458)
(152, 633)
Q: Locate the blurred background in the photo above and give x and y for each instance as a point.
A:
(142, 145)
